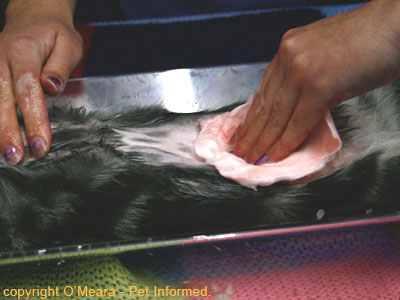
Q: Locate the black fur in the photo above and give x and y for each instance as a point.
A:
(87, 190)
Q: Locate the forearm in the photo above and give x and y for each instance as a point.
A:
(62, 9)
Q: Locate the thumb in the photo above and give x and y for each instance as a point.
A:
(63, 59)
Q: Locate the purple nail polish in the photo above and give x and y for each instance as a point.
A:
(262, 160)
(54, 79)
(36, 145)
(38, 148)
(12, 155)
(56, 82)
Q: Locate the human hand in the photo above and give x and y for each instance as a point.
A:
(317, 67)
(39, 49)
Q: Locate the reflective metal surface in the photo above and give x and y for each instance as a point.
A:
(118, 247)
(183, 90)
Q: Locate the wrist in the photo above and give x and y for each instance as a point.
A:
(61, 9)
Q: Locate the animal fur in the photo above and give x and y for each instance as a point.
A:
(134, 175)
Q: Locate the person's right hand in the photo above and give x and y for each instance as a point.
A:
(39, 48)
(317, 67)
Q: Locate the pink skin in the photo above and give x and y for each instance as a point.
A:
(317, 67)
(39, 48)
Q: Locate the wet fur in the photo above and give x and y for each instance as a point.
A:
(93, 187)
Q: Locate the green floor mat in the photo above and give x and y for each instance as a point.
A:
(83, 279)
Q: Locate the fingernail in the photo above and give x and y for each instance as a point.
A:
(262, 160)
(39, 148)
(13, 156)
(56, 83)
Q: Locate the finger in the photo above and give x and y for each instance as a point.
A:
(267, 74)
(30, 98)
(61, 62)
(306, 116)
(243, 128)
(281, 112)
(11, 143)
(257, 124)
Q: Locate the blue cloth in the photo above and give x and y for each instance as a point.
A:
(134, 47)
(134, 10)
(196, 40)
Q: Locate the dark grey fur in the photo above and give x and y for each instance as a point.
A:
(87, 190)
